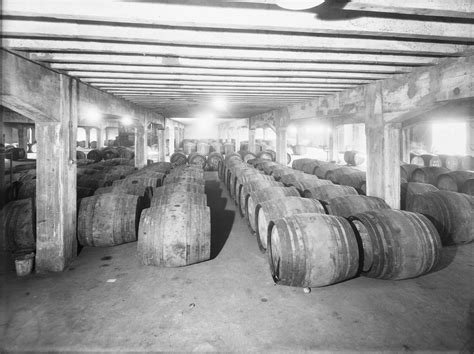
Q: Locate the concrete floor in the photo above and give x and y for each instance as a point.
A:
(231, 304)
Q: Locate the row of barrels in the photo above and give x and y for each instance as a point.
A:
(106, 153)
(285, 224)
(207, 147)
(14, 153)
(206, 162)
(451, 162)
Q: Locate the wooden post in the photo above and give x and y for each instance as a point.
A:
(383, 151)
(88, 137)
(100, 137)
(172, 138)
(140, 147)
(56, 213)
(161, 145)
(22, 137)
(252, 147)
(281, 138)
(405, 145)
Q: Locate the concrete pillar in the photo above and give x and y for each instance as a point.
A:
(252, 147)
(470, 138)
(333, 145)
(161, 145)
(405, 145)
(172, 141)
(281, 138)
(100, 137)
(33, 134)
(88, 137)
(22, 137)
(140, 147)
(56, 243)
(383, 151)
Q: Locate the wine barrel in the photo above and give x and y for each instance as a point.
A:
(197, 159)
(189, 147)
(278, 173)
(247, 155)
(306, 183)
(155, 180)
(322, 170)
(203, 148)
(80, 155)
(263, 195)
(348, 205)
(94, 155)
(265, 155)
(417, 160)
(125, 153)
(454, 180)
(109, 153)
(140, 190)
(299, 256)
(431, 160)
(450, 212)
(179, 198)
(19, 224)
(177, 188)
(326, 192)
(250, 187)
(468, 187)
(335, 174)
(213, 160)
(311, 166)
(245, 179)
(355, 179)
(396, 244)
(237, 176)
(229, 148)
(27, 189)
(291, 178)
(174, 235)
(428, 174)
(410, 189)
(406, 171)
(178, 159)
(354, 158)
(269, 211)
(108, 219)
(299, 163)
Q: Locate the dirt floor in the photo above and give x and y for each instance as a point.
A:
(106, 300)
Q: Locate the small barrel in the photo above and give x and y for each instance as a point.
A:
(178, 159)
(410, 189)
(450, 212)
(27, 189)
(178, 187)
(125, 153)
(197, 159)
(396, 244)
(431, 160)
(335, 174)
(299, 256)
(189, 147)
(108, 219)
(94, 155)
(110, 153)
(265, 155)
(263, 195)
(311, 166)
(19, 224)
(406, 171)
(270, 211)
(454, 180)
(247, 155)
(468, 187)
(203, 148)
(179, 198)
(355, 179)
(416, 159)
(323, 169)
(80, 155)
(299, 163)
(428, 174)
(174, 235)
(213, 160)
(252, 186)
(326, 192)
(15, 153)
(354, 158)
(348, 205)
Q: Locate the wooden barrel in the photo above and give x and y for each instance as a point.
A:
(348, 205)
(406, 171)
(322, 170)
(335, 174)
(229, 148)
(82, 192)
(306, 183)
(15, 153)
(213, 160)
(326, 192)
(298, 256)
(178, 159)
(265, 155)
(355, 179)
(27, 189)
(80, 155)
(299, 163)
(247, 155)
(431, 160)
(468, 187)
(250, 187)
(19, 224)
(269, 211)
(278, 172)
(245, 179)
(266, 166)
(125, 153)
(354, 158)
(428, 174)
(454, 180)
(416, 159)
(311, 166)
(189, 147)
(153, 181)
(410, 189)
(178, 187)
(94, 155)
(179, 198)
(197, 159)
(450, 212)
(292, 177)
(396, 244)
(109, 153)
(238, 177)
(108, 219)
(263, 195)
(466, 162)
(174, 235)
(203, 148)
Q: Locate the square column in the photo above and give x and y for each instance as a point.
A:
(22, 138)
(281, 138)
(252, 147)
(88, 137)
(56, 214)
(172, 140)
(161, 145)
(333, 144)
(140, 147)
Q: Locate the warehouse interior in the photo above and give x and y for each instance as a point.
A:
(245, 102)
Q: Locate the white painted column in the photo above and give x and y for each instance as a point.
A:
(88, 137)
(56, 243)
(172, 138)
(161, 145)
(470, 138)
(281, 141)
(22, 138)
(140, 147)
(252, 147)
(333, 144)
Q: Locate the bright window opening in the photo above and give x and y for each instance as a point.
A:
(449, 138)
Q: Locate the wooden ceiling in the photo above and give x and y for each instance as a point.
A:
(175, 57)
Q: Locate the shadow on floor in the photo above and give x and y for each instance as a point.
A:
(221, 219)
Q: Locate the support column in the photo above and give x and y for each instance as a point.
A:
(56, 243)
(383, 151)
(172, 141)
(333, 145)
(161, 145)
(252, 147)
(140, 147)
(100, 138)
(281, 138)
(2, 172)
(470, 138)
(22, 138)
(88, 137)
(405, 145)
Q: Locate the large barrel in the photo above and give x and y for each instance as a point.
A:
(213, 161)
(310, 166)
(468, 187)
(454, 180)
(355, 179)
(15, 153)
(80, 155)
(245, 179)
(174, 235)
(125, 153)
(229, 148)
(95, 155)
(19, 224)
(197, 159)
(146, 192)
(406, 170)
(450, 212)
(428, 174)
(302, 184)
(348, 205)
(335, 174)
(410, 189)
(179, 198)
(354, 158)
(299, 163)
(263, 195)
(154, 180)
(396, 244)
(203, 148)
(265, 155)
(299, 256)
(323, 169)
(329, 191)
(108, 219)
(270, 211)
(253, 186)
(178, 159)
(27, 189)
(189, 147)
(179, 187)
(239, 175)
